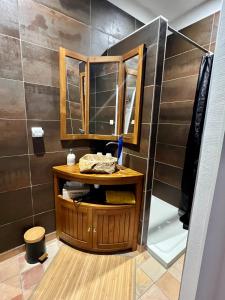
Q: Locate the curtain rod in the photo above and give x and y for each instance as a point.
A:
(188, 39)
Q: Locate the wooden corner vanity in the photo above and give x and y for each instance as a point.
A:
(93, 226)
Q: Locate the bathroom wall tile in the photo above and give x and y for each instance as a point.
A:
(142, 149)
(14, 173)
(15, 205)
(169, 154)
(12, 99)
(150, 173)
(199, 32)
(107, 98)
(176, 112)
(173, 134)
(167, 193)
(154, 136)
(112, 41)
(12, 234)
(134, 162)
(41, 166)
(156, 106)
(43, 197)
(105, 114)
(75, 110)
(147, 104)
(13, 138)
(179, 89)
(168, 174)
(42, 102)
(47, 220)
(47, 28)
(40, 65)
(215, 26)
(183, 65)
(212, 47)
(162, 40)
(99, 42)
(51, 140)
(10, 59)
(151, 57)
(106, 82)
(9, 18)
(147, 36)
(110, 19)
(77, 9)
(146, 215)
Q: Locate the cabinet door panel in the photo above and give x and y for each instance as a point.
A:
(75, 224)
(113, 228)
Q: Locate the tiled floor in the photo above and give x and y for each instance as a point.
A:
(153, 282)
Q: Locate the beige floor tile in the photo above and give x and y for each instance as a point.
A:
(154, 293)
(142, 257)
(153, 268)
(9, 268)
(11, 288)
(177, 268)
(169, 285)
(143, 282)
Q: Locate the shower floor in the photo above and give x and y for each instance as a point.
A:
(166, 237)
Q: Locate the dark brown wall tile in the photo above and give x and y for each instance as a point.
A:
(172, 155)
(179, 89)
(43, 198)
(167, 193)
(14, 173)
(104, 128)
(173, 134)
(10, 59)
(9, 18)
(112, 41)
(50, 142)
(47, 220)
(99, 42)
(42, 102)
(41, 166)
(106, 82)
(200, 32)
(138, 24)
(134, 162)
(107, 98)
(105, 114)
(168, 174)
(142, 149)
(12, 234)
(110, 19)
(151, 56)
(13, 138)
(15, 205)
(183, 65)
(76, 9)
(161, 51)
(147, 104)
(176, 112)
(40, 65)
(45, 27)
(12, 99)
(75, 110)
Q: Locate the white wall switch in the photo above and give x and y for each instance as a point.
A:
(37, 132)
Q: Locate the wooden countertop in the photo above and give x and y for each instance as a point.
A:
(123, 176)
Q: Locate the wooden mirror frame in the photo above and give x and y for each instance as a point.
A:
(133, 138)
(105, 59)
(63, 53)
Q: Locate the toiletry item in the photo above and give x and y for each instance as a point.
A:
(99, 153)
(120, 150)
(108, 155)
(71, 158)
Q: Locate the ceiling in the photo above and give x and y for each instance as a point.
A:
(173, 10)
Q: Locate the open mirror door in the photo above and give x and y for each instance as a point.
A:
(73, 76)
(104, 101)
(133, 73)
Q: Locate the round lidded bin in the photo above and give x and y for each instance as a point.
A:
(35, 245)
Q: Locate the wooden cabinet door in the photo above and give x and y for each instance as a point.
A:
(75, 224)
(113, 228)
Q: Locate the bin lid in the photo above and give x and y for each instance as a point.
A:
(34, 234)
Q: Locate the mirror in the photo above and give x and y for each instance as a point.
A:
(133, 64)
(73, 67)
(105, 96)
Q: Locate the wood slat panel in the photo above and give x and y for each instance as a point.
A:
(75, 223)
(126, 227)
(80, 226)
(85, 227)
(117, 229)
(100, 230)
(122, 224)
(105, 235)
(111, 228)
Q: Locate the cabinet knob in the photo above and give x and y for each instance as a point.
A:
(94, 230)
(89, 229)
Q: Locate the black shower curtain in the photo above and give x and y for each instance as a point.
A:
(194, 139)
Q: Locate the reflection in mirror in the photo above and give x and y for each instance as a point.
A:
(131, 68)
(75, 95)
(103, 98)
(133, 63)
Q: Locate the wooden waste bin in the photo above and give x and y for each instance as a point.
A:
(35, 245)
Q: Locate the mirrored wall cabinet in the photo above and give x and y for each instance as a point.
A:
(100, 96)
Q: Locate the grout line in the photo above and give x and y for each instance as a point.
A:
(172, 145)
(173, 186)
(175, 124)
(163, 163)
(211, 34)
(145, 158)
(177, 78)
(175, 101)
